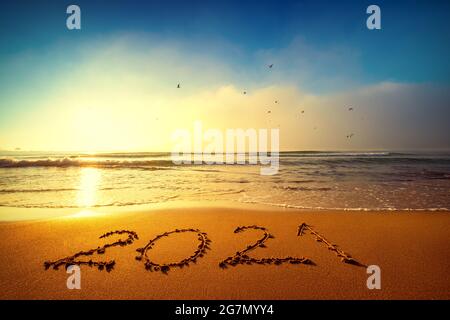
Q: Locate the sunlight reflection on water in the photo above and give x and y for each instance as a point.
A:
(89, 180)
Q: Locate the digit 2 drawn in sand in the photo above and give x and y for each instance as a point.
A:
(241, 257)
(200, 252)
(108, 265)
(345, 257)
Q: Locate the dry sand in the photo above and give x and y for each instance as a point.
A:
(412, 250)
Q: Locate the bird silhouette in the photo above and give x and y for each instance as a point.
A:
(178, 86)
(350, 109)
(270, 66)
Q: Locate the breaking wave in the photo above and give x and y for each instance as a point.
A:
(69, 162)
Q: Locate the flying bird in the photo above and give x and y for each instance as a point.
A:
(303, 111)
(270, 66)
(245, 92)
(178, 86)
(350, 109)
(276, 101)
(350, 135)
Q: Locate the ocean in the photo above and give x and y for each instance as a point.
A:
(306, 180)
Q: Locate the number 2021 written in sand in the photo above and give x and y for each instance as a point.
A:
(240, 257)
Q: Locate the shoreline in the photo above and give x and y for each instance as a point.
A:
(18, 214)
(412, 251)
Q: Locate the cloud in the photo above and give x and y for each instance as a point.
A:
(387, 115)
(121, 95)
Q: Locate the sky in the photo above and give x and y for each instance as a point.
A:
(113, 84)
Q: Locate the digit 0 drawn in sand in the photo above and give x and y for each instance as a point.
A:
(345, 257)
(164, 268)
(101, 265)
(241, 257)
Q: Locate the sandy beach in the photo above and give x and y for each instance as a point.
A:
(411, 249)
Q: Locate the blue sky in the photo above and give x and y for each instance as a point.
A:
(320, 47)
(413, 45)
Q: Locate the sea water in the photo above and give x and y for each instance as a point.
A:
(308, 180)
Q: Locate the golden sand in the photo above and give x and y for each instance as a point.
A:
(214, 253)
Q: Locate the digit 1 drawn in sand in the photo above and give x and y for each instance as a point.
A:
(108, 265)
(346, 258)
(164, 268)
(241, 257)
